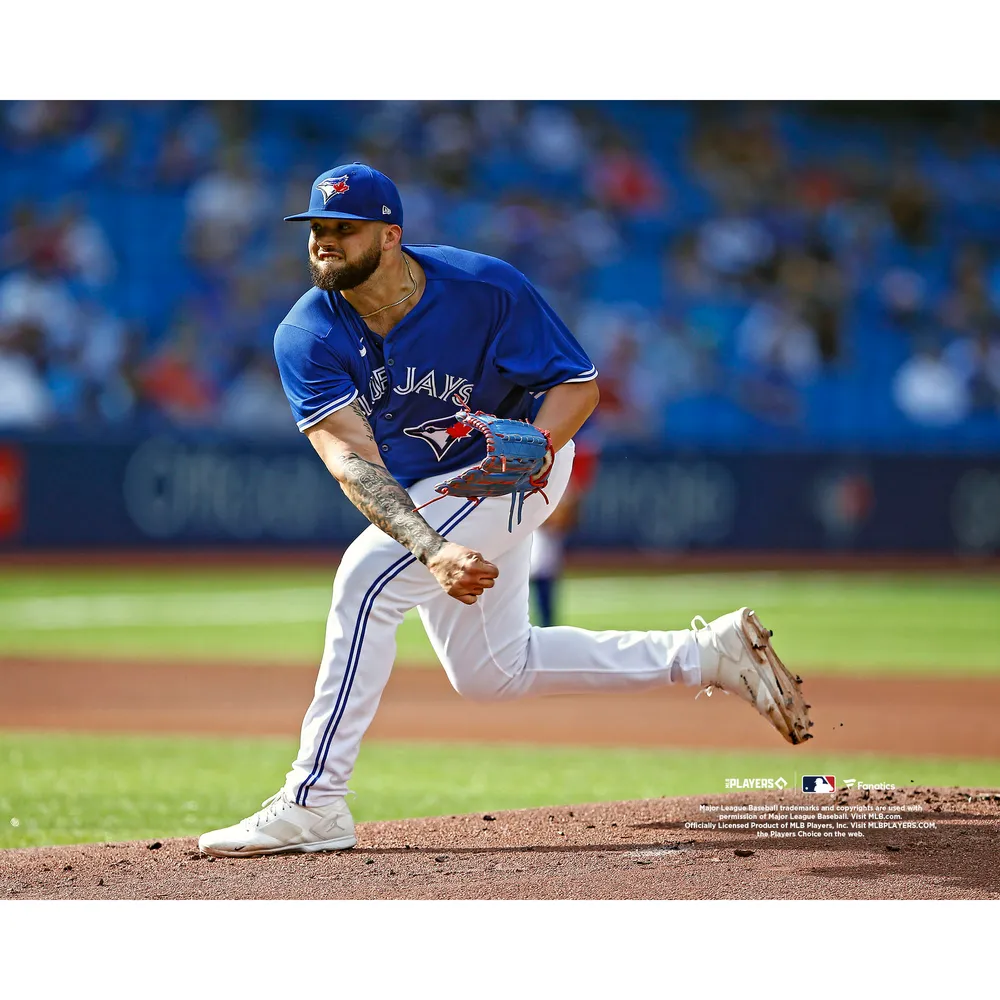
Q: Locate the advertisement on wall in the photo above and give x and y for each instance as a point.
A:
(11, 492)
(166, 491)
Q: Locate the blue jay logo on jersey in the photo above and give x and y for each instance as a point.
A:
(333, 186)
(440, 434)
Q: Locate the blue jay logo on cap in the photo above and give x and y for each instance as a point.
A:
(333, 186)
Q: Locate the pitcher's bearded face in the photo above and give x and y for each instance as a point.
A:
(343, 253)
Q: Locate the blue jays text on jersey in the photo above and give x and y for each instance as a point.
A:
(480, 335)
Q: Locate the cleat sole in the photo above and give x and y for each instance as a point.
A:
(783, 686)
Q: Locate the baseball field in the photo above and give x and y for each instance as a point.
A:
(144, 705)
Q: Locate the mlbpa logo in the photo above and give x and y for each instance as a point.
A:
(333, 186)
(819, 783)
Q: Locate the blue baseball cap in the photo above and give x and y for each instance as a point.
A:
(353, 191)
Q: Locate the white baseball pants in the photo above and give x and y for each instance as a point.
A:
(489, 650)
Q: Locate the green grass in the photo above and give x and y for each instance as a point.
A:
(824, 622)
(63, 789)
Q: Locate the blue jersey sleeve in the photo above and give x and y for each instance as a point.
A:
(315, 380)
(534, 348)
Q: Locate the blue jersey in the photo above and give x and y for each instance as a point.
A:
(480, 335)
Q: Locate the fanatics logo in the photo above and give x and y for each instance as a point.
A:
(819, 783)
(333, 186)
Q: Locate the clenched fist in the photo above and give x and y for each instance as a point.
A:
(463, 573)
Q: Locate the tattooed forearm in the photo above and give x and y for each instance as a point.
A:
(356, 407)
(387, 505)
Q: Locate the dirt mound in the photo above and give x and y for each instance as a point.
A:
(918, 843)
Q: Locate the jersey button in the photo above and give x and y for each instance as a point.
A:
(385, 447)
(391, 362)
(387, 416)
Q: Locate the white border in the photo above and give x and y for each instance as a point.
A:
(495, 949)
(711, 50)
(446, 49)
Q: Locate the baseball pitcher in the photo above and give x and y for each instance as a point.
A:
(442, 392)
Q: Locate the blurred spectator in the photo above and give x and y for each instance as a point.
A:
(37, 295)
(497, 123)
(98, 150)
(254, 405)
(179, 162)
(815, 280)
(929, 390)
(25, 401)
(976, 360)
(622, 180)
(31, 123)
(25, 238)
(597, 238)
(554, 139)
(856, 222)
(733, 245)
(759, 238)
(622, 343)
(911, 208)
(537, 237)
(82, 249)
(104, 342)
(225, 207)
(903, 293)
(685, 273)
(448, 145)
(744, 157)
(968, 305)
(774, 339)
(171, 383)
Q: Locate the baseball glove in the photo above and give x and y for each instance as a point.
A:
(518, 459)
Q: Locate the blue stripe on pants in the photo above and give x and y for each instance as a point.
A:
(354, 656)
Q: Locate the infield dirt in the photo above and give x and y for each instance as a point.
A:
(916, 716)
(623, 850)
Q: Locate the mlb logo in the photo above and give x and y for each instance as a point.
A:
(819, 783)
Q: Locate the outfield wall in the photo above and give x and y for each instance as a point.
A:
(167, 491)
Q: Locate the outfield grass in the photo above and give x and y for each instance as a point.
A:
(65, 789)
(824, 622)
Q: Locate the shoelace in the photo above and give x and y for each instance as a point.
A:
(708, 689)
(269, 809)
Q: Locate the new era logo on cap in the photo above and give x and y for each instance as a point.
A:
(819, 783)
(386, 210)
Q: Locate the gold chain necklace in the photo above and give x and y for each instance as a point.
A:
(403, 299)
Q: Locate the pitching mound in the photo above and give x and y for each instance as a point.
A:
(918, 843)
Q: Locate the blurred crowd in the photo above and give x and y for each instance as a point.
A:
(742, 275)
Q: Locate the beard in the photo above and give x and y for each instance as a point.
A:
(350, 275)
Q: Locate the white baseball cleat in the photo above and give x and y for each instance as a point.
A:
(281, 826)
(737, 657)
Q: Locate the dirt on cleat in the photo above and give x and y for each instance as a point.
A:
(784, 685)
